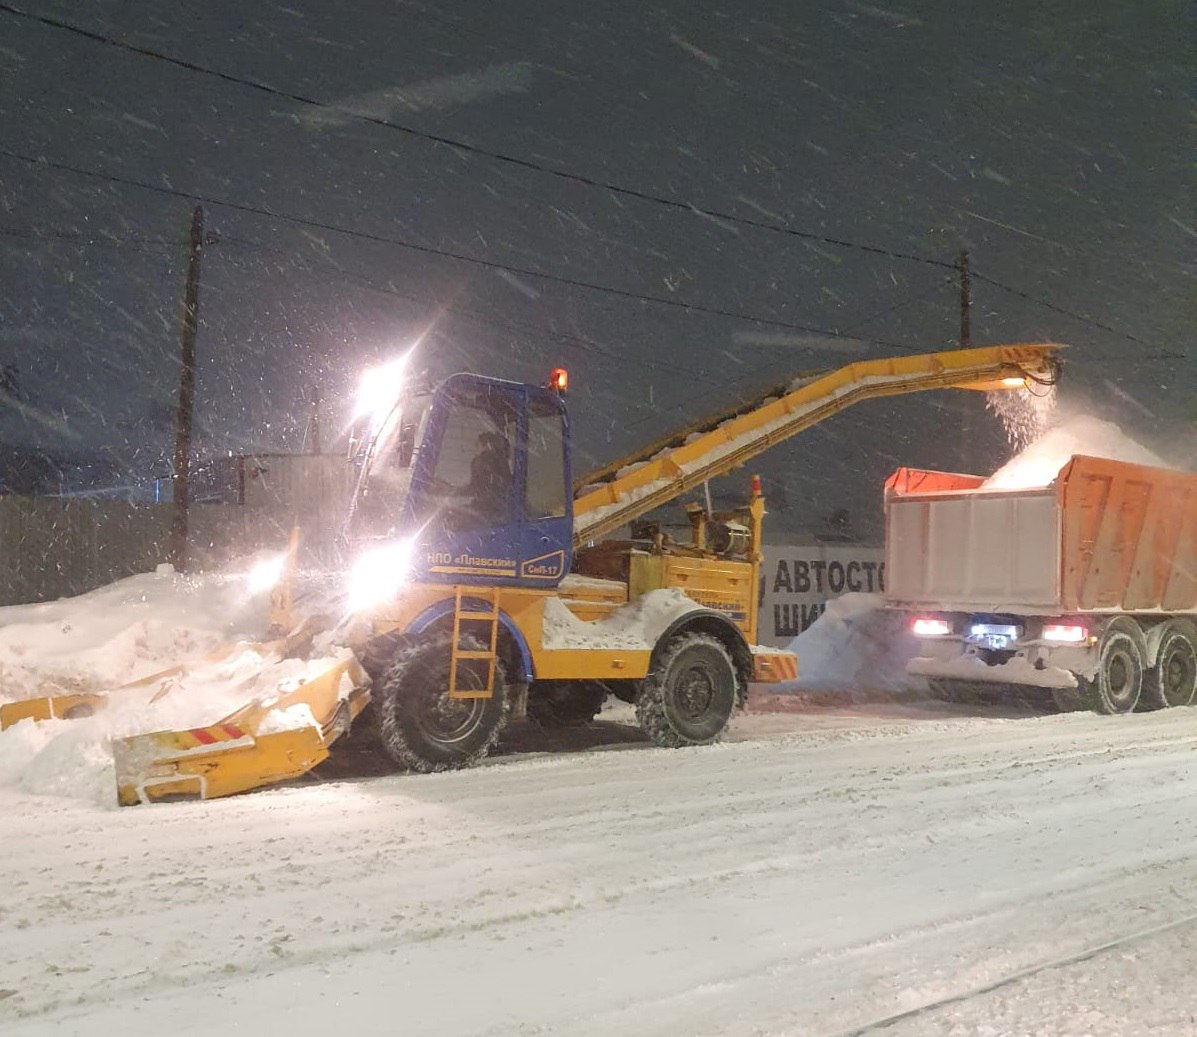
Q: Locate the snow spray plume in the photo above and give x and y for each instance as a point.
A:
(1024, 414)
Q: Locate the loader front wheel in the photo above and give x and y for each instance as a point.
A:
(420, 725)
(690, 693)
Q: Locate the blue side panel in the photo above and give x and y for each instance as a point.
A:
(445, 608)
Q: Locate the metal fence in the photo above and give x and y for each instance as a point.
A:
(52, 548)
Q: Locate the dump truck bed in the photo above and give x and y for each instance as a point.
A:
(1105, 536)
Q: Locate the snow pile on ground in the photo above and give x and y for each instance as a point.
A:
(1039, 463)
(138, 629)
(856, 645)
(74, 757)
(122, 632)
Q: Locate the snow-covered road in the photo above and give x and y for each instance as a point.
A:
(822, 873)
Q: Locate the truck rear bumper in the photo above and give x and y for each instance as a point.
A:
(1035, 665)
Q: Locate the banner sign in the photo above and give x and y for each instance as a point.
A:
(797, 583)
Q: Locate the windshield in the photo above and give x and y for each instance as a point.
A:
(384, 475)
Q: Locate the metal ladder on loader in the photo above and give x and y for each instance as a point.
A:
(457, 654)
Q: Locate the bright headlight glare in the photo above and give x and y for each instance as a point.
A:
(378, 574)
(266, 574)
(1067, 633)
(379, 391)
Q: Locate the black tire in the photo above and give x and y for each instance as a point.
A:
(565, 703)
(1172, 681)
(420, 727)
(945, 690)
(1120, 668)
(1072, 700)
(690, 693)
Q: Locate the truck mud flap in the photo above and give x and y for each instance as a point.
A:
(263, 743)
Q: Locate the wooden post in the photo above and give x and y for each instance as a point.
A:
(967, 435)
(965, 300)
(181, 486)
(315, 421)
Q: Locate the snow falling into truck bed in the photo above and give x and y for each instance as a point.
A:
(1025, 415)
(1040, 462)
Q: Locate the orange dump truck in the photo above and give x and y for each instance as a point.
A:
(1086, 587)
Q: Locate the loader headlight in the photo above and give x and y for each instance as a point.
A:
(266, 574)
(379, 392)
(378, 574)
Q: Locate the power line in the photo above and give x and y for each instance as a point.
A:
(472, 315)
(900, 304)
(474, 149)
(1060, 309)
(80, 238)
(463, 257)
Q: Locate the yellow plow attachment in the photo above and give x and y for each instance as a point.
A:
(262, 743)
(74, 706)
(51, 707)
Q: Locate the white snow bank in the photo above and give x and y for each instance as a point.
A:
(127, 631)
(122, 632)
(1039, 463)
(74, 757)
(634, 627)
(856, 645)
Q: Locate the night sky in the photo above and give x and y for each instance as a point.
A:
(1053, 141)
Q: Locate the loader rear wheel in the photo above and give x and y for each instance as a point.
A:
(1172, 681)
(420, 726)
(690, 693)
(1120, 668)
(565, 703)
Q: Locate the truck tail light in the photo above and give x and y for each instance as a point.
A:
(927, 626)
(1066, 632)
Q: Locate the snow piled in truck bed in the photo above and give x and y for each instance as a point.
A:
(1040, 462)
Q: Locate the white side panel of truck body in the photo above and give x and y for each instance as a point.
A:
(972, 551)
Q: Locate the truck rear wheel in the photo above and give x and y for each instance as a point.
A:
(1172, 681)
(565, 703)
(420, 726)
(1120, 668)
(690, 693)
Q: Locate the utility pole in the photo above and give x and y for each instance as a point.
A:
(315, 420)
(965, 300)
(967, 436)
(181, 486)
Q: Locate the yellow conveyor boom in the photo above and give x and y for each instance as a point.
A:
(637, 484)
